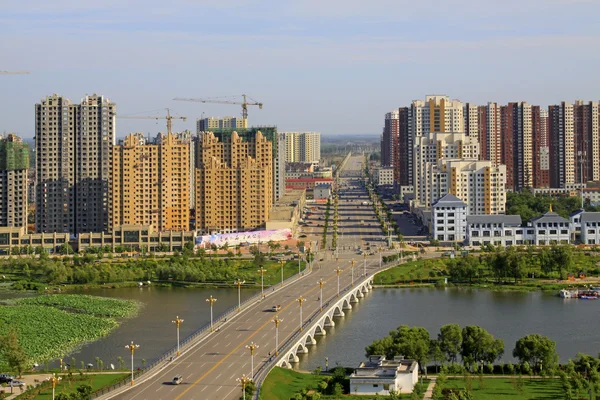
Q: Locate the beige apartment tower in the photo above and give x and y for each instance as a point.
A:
(150, 183)
(234, 183)
(14, 164)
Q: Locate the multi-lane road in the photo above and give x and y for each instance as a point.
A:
(210, 367)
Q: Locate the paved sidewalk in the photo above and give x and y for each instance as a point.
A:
(429, 391)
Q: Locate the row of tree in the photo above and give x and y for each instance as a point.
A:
(515, 263)
(475, 346)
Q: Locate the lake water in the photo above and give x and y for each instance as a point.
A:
(572, 323)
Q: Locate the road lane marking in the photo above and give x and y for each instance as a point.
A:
(268, 322)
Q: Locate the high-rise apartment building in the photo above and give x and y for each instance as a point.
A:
(430, 148)
(74, 145)
(587, 141)
(187, 137)
(517, 145)
(211, 123)
(389, 140)
(435, 114)
(541, 151)
(278, 143)
(477, 183)
(234, 182)
(14, 166)
(150, 183)
(303, 147)
(561, 130)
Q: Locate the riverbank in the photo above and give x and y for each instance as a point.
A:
(49, 326)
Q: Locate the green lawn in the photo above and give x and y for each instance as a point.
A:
(413, 271)
(505, 388)
(67, 386)
(283, 383)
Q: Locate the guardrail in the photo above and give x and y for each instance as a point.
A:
(169, 354)
(266, 367)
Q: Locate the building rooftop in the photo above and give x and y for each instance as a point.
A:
(495, 219)
(449, 200)
(309, 180)
(590, 217)
(378, 367)
(548, 217)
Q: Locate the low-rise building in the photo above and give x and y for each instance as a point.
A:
(322, 191)
(137, 238)
(384, 176)
(379, 376)
(286, 213)
(449, 215)
(551, 228)
(498, 230)
(590, 228)
(17, 237)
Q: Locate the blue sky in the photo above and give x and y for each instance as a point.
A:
(330, 66)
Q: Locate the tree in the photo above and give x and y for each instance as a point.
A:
(85, 392)
(536, 349)
(411, 342)
(450, 340)
(12, 352)
(480, 345)
(435, 352)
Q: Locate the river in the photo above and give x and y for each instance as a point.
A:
(152, 328)
(572, 323)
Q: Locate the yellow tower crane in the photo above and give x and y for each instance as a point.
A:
(169, 119)
(244, 103)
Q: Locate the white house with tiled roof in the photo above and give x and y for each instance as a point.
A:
(449, 219)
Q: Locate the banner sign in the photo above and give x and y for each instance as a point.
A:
(238, 238)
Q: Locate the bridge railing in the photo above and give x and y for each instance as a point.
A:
(266, 366)
(187, 341)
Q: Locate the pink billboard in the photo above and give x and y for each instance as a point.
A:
(234, 239)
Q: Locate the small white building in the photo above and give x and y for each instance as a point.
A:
(384, 176)
(449, 219)
(590, 228)
(498, 230)
(379, 376)
(551, 228)
(322, 191)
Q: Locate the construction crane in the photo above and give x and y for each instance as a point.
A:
(244, 103)
(14, 72)
(169, 119)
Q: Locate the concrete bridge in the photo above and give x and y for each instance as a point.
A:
(318, 324)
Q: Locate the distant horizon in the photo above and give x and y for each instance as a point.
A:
(334, 66)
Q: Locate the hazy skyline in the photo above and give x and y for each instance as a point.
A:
(329, 66)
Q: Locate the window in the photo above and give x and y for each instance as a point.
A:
(475, 233)
(375, 385)
(564, 232)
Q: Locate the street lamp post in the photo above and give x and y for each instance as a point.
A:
(239, 284)
(282, 262)
(380, 258)
(210, 301)
(321, 283)
(352, 271)
(54, 379)
(365, 264)
(262, 271)
(298, 263)
(132, 347)
(244, 381)
(252, 347)
(277, 321)
(338, 272)
(300, 300)
(177, 323)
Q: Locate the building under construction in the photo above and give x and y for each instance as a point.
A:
(14, 164)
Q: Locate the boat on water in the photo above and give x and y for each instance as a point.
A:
(567, 294)
(579, 294)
